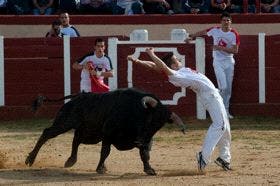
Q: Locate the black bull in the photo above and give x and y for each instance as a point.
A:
(116, 118)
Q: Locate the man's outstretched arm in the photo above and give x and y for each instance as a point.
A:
(148, 64)
(158, 62)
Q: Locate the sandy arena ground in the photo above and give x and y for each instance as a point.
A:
(255, 161)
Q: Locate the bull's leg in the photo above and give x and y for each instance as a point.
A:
(145, 157)
(105, 151)
(75, 144)
(47, 134)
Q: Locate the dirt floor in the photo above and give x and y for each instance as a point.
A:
(255, 160)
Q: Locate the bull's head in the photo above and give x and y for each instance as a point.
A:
(149, 100)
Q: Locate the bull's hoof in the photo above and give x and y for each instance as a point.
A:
(150, 172)
(70, 162)
(30, 160)
(101, 170)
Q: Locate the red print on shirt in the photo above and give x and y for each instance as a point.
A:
(222, 43)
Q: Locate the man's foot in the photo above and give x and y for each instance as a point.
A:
(200, 162)
(225, 165)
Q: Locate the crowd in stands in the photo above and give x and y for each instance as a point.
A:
(129, 7)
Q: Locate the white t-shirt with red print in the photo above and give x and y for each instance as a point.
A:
(226, 39)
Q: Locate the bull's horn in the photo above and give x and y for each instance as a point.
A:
(151, 101)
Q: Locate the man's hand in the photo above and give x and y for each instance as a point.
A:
(131, 58)
(150, 51)
(223, 6)
(189, 39)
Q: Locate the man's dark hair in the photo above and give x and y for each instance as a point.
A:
(225, 14)
(98, 40)
(167, 59)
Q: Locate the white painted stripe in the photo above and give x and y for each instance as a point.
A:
(112, 53)
(67, 67)
(200, 67)
(2, 86)
(261, 67)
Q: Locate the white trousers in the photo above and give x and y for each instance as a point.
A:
(224, 71)
(219, 131)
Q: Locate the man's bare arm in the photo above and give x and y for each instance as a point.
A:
(158, 62)
(148, 64)
(232, 50)
(77, 66)
(197, 34)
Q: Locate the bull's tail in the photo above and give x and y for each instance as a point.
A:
(41, 99)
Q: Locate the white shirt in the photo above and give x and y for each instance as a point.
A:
(188, 78)
(226, 39)
(99, 64)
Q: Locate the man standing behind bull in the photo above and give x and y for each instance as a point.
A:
(95, 67)
(226, 43)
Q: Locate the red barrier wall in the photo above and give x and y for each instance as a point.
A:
(35, 66)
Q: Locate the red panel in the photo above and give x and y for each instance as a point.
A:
(33, 48)
(272, 50)
(25, 41)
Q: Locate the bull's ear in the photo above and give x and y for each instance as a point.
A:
(149, 100)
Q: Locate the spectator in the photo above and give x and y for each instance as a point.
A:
(95, 7)
(69, 6)
(219, 6)
(67, 29)
(19, 7)
(3, 6)
(55, 30)
(157, 7)
(196, 6)
(95, 67)
(43, 7)
(127, 7)
(237, 6)
(177, 6)
(270, 6)
(252, 6)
